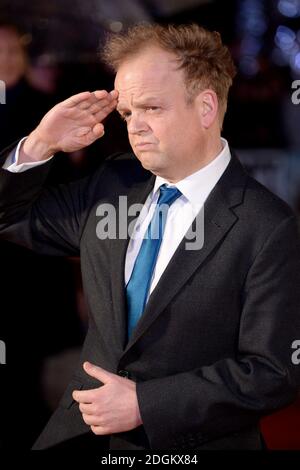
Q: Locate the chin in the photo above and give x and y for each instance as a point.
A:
(148, 161)
(156, 170)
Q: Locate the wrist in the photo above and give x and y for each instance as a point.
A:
(35, 149)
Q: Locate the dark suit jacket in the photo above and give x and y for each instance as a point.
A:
(212, 352)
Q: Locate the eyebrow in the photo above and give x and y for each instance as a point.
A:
(140, 102)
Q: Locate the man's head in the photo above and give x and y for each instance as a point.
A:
(12, 54)
(173, 84)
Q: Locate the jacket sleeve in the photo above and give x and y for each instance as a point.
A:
(48, 220)
(232, 394)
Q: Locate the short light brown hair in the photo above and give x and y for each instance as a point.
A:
(204, 59)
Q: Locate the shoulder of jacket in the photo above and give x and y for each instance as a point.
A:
(264, 206)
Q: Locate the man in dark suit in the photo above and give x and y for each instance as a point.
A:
(191, 330)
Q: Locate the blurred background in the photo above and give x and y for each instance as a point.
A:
(49, 51)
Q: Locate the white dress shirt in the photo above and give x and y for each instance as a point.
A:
(195, 189)
(11, 163)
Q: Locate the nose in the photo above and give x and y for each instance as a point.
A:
(136, 124)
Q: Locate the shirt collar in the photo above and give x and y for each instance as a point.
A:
(197, 186)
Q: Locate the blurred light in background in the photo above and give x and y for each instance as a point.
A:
(287, 51)
(285, 38)
(296, 61)
(251, 26)
(289, 8)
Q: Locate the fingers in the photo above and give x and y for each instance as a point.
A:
(92, 132)
(76, 99)
(102, 94)
(90, 108)
(88, 135)
(87, 408)
(95, 108)
(87, 99)
(85, 105)
(91, 420)
(100, 430)
(83, 131)
(92, 101)
(103, 113)
(95, 133)
(100, 109)
(106, 105)
(98, 130)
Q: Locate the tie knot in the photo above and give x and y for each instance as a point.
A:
(168, 195)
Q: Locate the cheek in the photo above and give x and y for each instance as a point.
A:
(164, 132)
(173, 138)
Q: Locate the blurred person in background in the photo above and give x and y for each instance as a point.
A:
(24, 108)
(25, 104)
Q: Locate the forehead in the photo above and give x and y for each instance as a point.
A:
(151, 71)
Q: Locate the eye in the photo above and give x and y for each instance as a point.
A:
(151, 108)
(125, 116)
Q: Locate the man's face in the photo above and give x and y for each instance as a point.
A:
(12, 57)
(164, 130)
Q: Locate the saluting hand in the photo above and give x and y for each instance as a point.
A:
(71, 125)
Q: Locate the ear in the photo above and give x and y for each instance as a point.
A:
(208, 108)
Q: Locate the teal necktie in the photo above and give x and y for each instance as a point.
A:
(139, 283)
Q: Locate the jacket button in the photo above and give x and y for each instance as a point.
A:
(123, 373)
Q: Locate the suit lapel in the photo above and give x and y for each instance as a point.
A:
(218, 220)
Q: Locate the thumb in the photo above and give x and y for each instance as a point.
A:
(97, 372)
(98, 130)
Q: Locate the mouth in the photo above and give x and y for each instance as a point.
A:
(144, 145)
